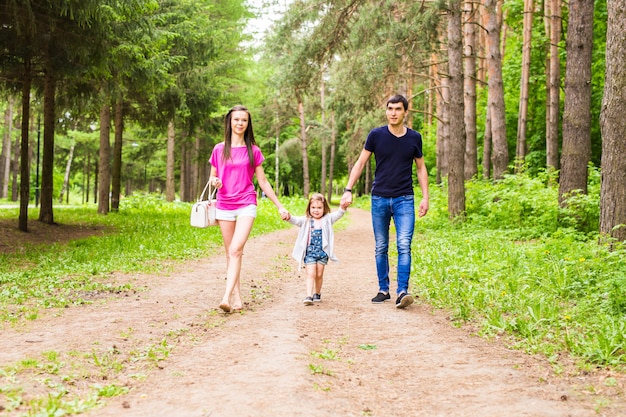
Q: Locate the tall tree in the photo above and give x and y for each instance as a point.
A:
(469, 85)
(576, 151)
(552, 138)
(7, 141)
(456, 145)
(66, 178)
(116, 167)
(170, 190)
(496, 107)
(613, 124)
(303, 147)
(487, 146)
(24, 161)
(443, 125)
(323, 138)
(104, 158)
(333, 149)
(47, 166)
(199, 43)
(520, 152)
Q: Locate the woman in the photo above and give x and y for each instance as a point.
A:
(234, 163)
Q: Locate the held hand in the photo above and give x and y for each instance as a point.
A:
(217, 183)
(284, 214)
(346, 200)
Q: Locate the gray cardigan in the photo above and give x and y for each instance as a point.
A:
(328, 236)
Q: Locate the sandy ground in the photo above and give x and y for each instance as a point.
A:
(343, 356)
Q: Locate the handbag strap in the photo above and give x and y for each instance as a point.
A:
(212, 191)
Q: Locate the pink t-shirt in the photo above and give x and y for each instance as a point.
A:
(236, 175)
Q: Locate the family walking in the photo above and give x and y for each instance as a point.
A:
(236, 161)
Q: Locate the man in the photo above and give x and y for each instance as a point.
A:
(395, 148)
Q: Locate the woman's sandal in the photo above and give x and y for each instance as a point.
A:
(225, 307)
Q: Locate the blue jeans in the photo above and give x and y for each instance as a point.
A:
(402, 209)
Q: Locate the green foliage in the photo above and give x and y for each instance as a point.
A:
(522, 266)
(79, 270)
(63, 274)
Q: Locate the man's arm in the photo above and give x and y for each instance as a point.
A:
(355, 173)
(422, 178)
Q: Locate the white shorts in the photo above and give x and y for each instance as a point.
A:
(231, 215)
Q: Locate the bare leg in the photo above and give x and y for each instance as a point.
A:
(311, 271)
(235, 235)
(319, 278)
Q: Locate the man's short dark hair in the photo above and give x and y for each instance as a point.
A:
(398, 98)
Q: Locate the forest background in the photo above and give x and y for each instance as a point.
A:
(114, 109)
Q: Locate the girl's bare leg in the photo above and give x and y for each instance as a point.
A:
(319, 278)
(311, 272)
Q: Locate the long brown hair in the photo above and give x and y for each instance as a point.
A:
(317, 197)
(248, 135)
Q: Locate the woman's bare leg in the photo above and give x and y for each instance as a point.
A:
(235, 235)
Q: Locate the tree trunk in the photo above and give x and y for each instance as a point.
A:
(456, 143)
(87, 175)
(199, 172)
(323, 138)
(305, 156)
(436, 81)
(547, 24)
(47, 161)
(96, 182)
(443, 114)
(442, 168)
(333, 146)
(186, 171)
(170, 189)
(104, 170)
(552, 145)
(15, 169)
(520, 150)
(469, 85)
(576, 150)
(500, 156)
(5, 161)
(276, 161)
(487, 148)
(613, 125)
(66, 177)
(429, 105)
(24, 160)
(116, 171)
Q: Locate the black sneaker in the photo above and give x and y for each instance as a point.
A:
(308, 301)
(317, 298)
(381, 297)
(404, 300)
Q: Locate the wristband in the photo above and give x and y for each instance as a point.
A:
(347, 190)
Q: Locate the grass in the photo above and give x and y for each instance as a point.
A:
(520, 266)
(146, 235)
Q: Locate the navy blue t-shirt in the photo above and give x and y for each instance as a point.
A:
(395, 157)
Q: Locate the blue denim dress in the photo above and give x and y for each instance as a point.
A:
(314, 252)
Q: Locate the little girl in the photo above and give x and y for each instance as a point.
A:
(314, 245)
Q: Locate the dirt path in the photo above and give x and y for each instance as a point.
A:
(341, 357)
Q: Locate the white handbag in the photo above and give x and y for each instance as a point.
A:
(203, 211)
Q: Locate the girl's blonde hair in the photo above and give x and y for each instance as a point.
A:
(317, 197)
